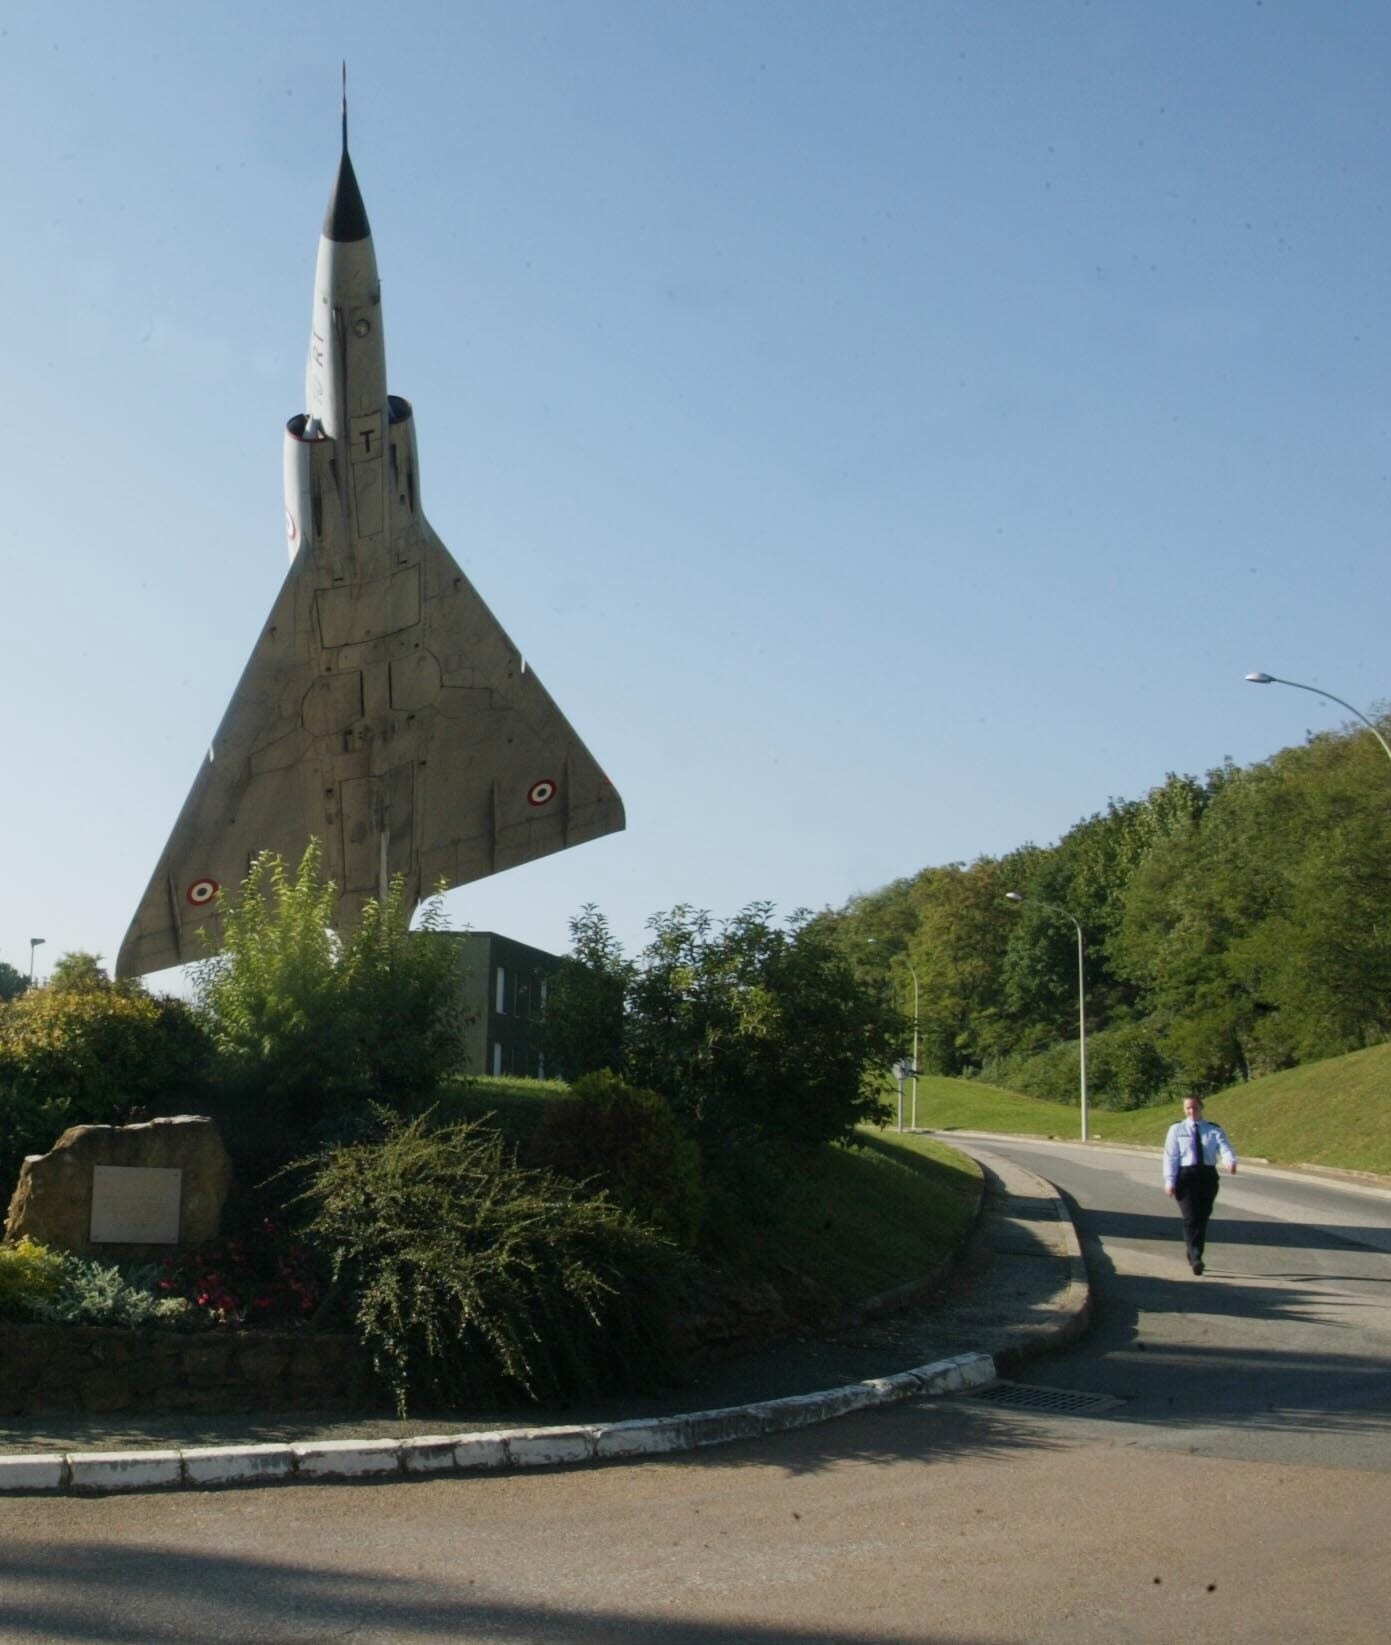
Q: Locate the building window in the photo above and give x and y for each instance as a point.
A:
(500, 993)
(497, 1056)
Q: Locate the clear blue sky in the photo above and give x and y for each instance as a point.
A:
(890, 430)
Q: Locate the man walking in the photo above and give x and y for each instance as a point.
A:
(1191, 1152)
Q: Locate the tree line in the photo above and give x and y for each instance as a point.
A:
(1232, 926)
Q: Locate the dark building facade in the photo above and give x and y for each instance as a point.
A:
(505, 986)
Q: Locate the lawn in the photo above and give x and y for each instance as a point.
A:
(1336, 1113)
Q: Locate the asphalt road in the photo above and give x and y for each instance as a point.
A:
(1279, 1352)
(1236, 1490)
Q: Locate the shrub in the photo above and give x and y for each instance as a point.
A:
(91, 1056)
(91, 1292)
(306, 1025)
(629, 1142)
(264, 1278)
(30, 1274)
(470, 1274)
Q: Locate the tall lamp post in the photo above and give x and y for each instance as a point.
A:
(1018, 896)
(34, 942)
(913, 1119)
(1258, 678)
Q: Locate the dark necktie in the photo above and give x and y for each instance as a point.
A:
(1197, 1145)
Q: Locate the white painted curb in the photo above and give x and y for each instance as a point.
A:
(102, 1472)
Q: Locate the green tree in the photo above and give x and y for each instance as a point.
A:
(93, 1056)
(585, 1002)
(767, 1040)
(306, 1023)
(12, 982)
(77, 973)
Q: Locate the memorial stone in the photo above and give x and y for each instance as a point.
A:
(124, 1190)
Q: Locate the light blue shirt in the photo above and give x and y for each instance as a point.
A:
(1179, 1149)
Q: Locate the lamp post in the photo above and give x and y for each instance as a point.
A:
(913, 1120)
(1018, 896)
(34, 942)
(1257, 678)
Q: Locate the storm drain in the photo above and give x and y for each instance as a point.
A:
(1029, 1396)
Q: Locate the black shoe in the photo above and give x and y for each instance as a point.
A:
(1198, 1266)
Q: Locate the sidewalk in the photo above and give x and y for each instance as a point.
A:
(1019, 1289)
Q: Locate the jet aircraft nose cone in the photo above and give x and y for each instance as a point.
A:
(346, 217)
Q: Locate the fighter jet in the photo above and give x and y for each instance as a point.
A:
(383, 709)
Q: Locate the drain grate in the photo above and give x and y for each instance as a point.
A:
(1028, 1396)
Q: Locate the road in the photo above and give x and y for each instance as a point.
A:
(1235, 1491)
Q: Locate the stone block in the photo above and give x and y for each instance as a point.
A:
(238, 1464)
(33, 1473)
(102, 1471)
(52, 1202)
(549, 1447)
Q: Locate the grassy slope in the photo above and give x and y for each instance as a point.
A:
(864, 1220)
(1336, 1113)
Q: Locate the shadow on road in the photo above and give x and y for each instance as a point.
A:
(93, 1592)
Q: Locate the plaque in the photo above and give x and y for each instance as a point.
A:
(135, 1205)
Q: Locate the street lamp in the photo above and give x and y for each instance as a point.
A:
(1018, 896)
(913, 1121)
(1258, 678)
(34, 942)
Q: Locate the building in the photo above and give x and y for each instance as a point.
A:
(505, 985)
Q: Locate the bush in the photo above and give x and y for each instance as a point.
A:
(98, 1055)
(305, 1025)
(30, 1274)
(264, 1278)
(629, 1142)
(470, 1274)
(90, 1292)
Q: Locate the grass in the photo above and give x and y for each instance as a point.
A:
(1336, 1113)
(863, 1220)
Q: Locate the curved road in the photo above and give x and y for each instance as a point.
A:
(1281, 1351)
(1236, 1491)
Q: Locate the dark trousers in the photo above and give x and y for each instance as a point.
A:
(1195, 1191)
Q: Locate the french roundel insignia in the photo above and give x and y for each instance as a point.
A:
(291, 529)
(201, 892)
(540, 793)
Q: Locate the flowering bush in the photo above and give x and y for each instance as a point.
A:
(29, 1274)
(263, 1279)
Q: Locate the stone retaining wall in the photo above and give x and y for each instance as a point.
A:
(77, 1369)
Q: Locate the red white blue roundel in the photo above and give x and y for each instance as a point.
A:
(201, 892)
(541, 793)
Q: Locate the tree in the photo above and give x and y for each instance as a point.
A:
(12, 982)
(93, 1056)
(582, 1031)
(305, 1022)
(767, 1040)
(78, 973)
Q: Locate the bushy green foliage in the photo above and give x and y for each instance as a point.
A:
(583, 1028)
(630, 1142)
(470, 1274)
(92, 1292)
(12, 982)
(1240, 923)
(93, 1055)
(306, 1024)
(42, 1284)
(764, 1038)
(1125, 1069)
(30, 1274)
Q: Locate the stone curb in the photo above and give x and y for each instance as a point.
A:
(99, 1473)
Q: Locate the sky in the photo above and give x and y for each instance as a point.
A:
(890, 431)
